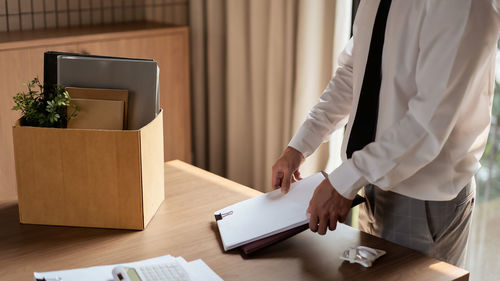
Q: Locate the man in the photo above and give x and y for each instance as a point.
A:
(415, 87)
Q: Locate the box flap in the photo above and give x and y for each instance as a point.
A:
(152, 167)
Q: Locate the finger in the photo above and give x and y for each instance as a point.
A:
(343, 214)
(285, 184)
(341, 219)
(333, 221)
(297, 176)
(277, 179)
(313, 223)
(323, 222)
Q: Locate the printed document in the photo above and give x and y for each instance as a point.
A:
(197, 270)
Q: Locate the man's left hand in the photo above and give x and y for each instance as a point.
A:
(327, 207)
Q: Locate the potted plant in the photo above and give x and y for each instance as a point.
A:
(44, 107)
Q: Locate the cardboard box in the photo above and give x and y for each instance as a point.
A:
(92, 178)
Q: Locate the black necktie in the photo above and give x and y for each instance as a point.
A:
(365, 122)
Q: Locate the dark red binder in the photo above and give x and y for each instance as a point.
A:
(255, 246)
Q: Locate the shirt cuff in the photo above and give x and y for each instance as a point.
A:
(305, 141)
(347, 180)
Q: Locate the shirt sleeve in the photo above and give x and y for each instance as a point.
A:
(332, 110)
(452, 48)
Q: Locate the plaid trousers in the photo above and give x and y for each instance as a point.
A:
(439, 229)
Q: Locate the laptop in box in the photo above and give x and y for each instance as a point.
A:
(139, 77)
(50, 64)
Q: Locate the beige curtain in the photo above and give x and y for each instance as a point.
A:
(258, 66)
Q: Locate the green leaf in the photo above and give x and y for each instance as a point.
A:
(44, 108)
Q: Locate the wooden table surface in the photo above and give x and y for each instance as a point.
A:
(184, 226)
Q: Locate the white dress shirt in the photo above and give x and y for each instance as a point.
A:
(435, 102)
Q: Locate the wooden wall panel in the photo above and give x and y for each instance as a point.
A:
(38, 14)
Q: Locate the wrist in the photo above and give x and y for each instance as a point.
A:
(296, 154)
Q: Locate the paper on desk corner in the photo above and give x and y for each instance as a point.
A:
(196, 271)
(199, 271)
(96, 273)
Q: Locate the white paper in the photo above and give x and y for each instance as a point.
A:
(267, 214)
(197, 270)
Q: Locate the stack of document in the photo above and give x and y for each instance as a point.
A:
(139, 76)
(197, 270)
(259, 222)
(267, 214)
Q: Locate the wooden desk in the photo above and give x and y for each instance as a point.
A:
(184, 226)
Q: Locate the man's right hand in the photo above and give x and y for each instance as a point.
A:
(286, 169)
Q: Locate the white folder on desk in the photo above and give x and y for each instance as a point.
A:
(266, 214)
